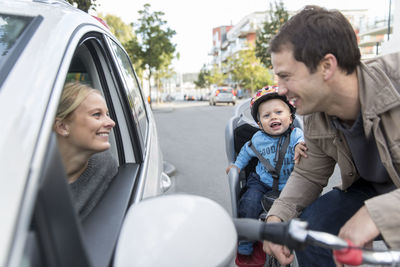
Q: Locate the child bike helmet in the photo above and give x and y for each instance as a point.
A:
(267, 93)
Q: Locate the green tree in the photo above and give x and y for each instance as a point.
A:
(84, 5)
(202, 81)
(131, 47)
(121, 30)
(216, 77)
(247, 70)
(153, 46)
(165, 71)
(277, 17)
(125, 34)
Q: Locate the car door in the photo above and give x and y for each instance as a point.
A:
(56, 236)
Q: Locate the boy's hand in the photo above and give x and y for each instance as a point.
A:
(300, 151)
(230, 166)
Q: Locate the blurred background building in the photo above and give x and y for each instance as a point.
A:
(372, 32)
(376, 35)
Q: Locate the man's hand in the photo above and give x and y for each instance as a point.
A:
(230, 167)
(281, 253)
(359, 229)
(300, 151)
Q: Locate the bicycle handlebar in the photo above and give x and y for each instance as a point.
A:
(278, 233)
(356, 256)
(294, 235)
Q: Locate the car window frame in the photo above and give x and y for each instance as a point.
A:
(115, 94)
(90, 42)
(145, 132)
(117, 199)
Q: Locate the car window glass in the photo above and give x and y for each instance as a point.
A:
(77, 72)
(11, 27)
(135, 98)
(12, 40)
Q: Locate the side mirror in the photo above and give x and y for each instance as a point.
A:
(176, 230)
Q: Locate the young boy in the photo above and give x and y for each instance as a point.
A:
(274, 115)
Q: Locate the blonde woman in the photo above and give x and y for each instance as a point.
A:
(83, 126)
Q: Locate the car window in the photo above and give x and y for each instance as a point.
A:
(78, 72)
(226, 90)
(83, 69)
(133, 92)
(91, 65)
(14, 34)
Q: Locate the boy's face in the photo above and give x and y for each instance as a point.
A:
(304, 89)
(275, 117)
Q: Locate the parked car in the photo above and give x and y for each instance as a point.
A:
(222, 95)
(43, 44)
(189, 98)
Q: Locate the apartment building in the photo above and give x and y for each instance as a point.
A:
(228, 40)
(219, 38)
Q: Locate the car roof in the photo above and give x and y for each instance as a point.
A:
(28, 93)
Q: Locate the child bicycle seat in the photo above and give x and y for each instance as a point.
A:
(240, 129)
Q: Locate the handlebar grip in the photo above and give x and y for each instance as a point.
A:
(351, 256)
(251, 229)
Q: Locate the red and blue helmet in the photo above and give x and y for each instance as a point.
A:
(267, 93)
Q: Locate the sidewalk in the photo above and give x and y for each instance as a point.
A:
(177, 104)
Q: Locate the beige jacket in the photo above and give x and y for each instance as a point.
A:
(379, 85)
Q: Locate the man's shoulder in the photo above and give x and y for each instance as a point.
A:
(314, 117)
(381, 68)
(318, 125)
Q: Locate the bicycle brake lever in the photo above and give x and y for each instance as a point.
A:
(350, 255)
(326, 240)
(298, 231)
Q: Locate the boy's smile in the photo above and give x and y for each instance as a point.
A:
(275, 116)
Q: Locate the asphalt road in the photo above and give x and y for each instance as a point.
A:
(192, 138)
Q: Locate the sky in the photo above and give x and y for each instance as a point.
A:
(193, 20)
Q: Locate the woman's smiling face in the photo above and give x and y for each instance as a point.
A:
(89, 125)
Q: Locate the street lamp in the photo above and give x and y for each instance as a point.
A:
(390, 9)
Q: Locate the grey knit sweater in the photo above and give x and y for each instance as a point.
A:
(88, 189)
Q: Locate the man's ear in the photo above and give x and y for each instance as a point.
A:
(329, 66)
(259, 125)
(61, 127)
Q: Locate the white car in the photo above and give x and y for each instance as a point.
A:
(43, 44)
(222, 95)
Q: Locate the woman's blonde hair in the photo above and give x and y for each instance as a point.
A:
(72, 96)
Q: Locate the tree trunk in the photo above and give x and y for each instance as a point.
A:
(150, 89)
